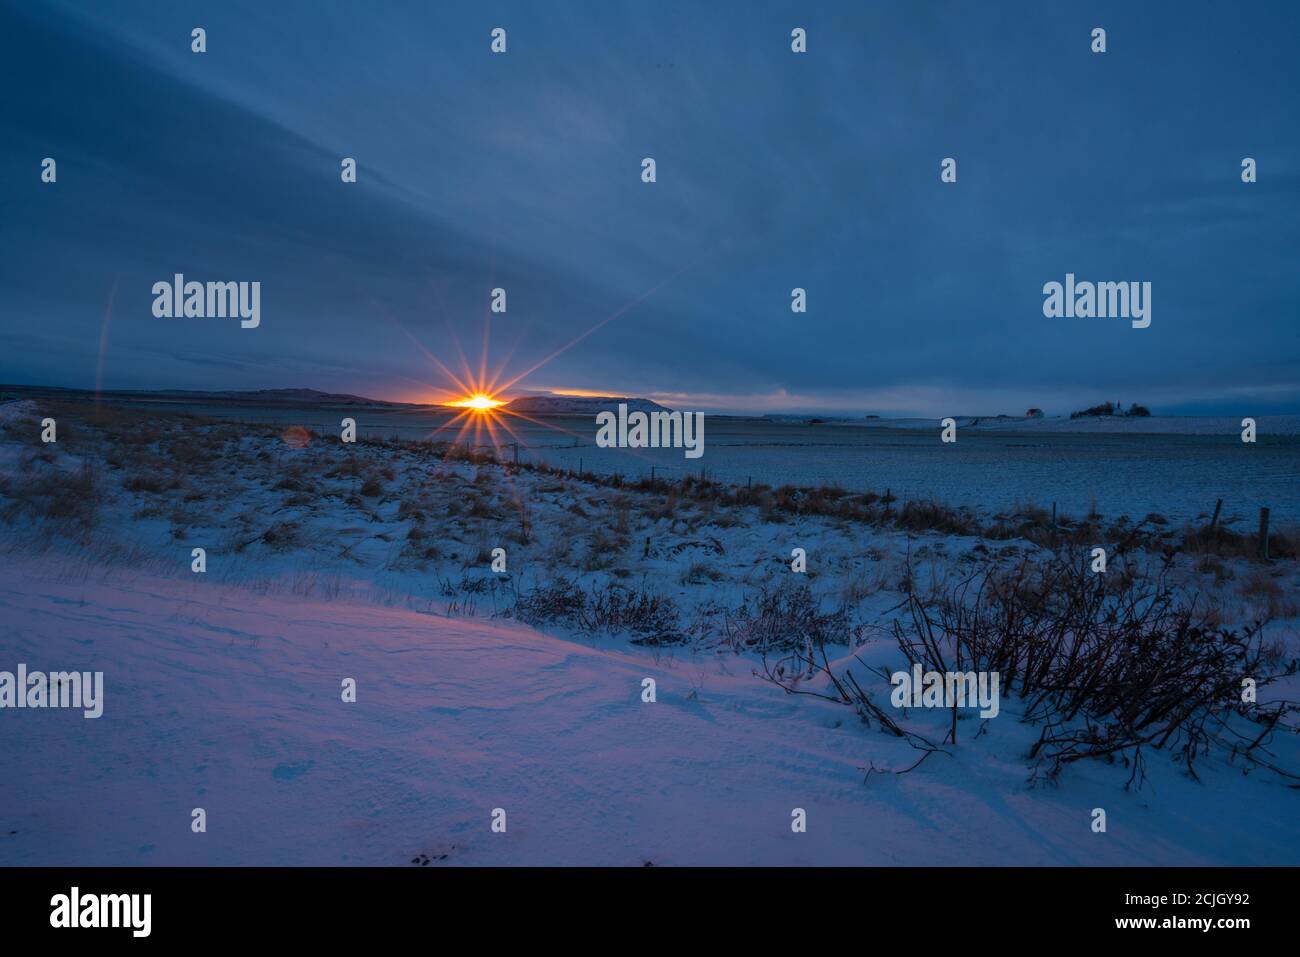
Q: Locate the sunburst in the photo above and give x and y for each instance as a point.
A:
(480, 399)
(479, 402)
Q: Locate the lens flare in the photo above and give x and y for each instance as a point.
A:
(479, 402)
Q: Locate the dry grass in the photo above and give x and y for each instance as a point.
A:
(64, 501)
(1264, 589)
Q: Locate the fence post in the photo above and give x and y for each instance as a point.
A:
(1214, 522)
(1263, 533)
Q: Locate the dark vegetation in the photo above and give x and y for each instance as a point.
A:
(1112, 408)
(1109, 667)
(651, 619)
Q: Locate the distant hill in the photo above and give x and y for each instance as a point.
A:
(301, 395)
(579, 404)
(283, 397)
(312, 397)
(545, 404)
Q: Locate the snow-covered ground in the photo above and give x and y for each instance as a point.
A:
(220, 698)
(1273, 425)
(1178, 471)
(371, 562)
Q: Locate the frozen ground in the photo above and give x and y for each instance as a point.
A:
(371, 562)
(220, 698)
(1210, 425)
(1174, 467)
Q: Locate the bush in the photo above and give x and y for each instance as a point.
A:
(1107, 665)
(787, 618)
(561, 600)
(612, 610)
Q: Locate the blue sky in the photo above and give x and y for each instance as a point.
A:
(775, 170)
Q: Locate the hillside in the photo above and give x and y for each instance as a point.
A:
(579, 404)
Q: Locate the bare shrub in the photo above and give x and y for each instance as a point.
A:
(560, 600)
(613, 609)
(1108, 665)
(784, 618)
(652, 618)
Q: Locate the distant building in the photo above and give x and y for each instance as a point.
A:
(1034, 414)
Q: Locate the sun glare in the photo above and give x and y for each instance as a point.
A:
(478, 402)
(475, 415)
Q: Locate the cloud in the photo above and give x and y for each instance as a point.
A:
(775, 171)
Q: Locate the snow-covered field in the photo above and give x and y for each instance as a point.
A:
(1174, 467)
(1213, 425)
(220, 698)
(371, 562)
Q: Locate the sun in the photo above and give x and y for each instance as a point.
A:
(479, 402)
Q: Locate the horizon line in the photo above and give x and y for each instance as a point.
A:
(794, 411)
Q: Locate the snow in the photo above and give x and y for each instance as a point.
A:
(223, 690)
(220, 698)
(15, 457)
(18, 411)
(1213, 425)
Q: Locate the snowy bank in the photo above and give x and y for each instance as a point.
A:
(220, 698)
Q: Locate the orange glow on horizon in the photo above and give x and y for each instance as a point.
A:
(586, 393)
(479, 402)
